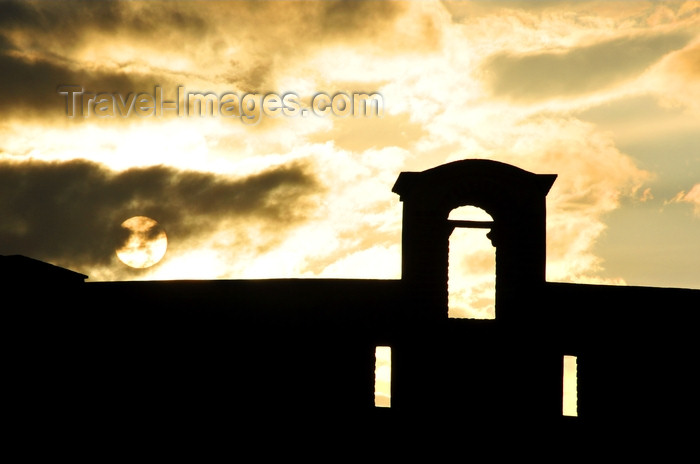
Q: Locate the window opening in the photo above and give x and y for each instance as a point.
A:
(382, 376)
(471, 276)
(570, 387)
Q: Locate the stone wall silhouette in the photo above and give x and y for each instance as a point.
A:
(115, 354)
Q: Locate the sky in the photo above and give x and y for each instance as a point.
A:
(605, 94)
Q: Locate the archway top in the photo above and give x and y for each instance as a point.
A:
(477, 173)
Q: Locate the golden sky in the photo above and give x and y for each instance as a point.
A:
(605, 94)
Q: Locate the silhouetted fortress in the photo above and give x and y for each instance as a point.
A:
(278, 350)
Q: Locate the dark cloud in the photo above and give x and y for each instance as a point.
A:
(581, 70)
(39, 42)
(70, 21)
(70, 213)
(18, 14)
(31, 87)
(250, 77)
(277, 33)
(352, 18)
(42, 43)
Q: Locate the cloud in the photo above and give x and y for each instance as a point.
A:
(364, 133)
(687, 62)
(273, 38)
(132, 46)
(76, 20)
(593, 176)
(348, 17)
(646, 195)
(692, 197)
(69, 213)
(35, 64)
(30, 87)
(676, 80)
(579, 70)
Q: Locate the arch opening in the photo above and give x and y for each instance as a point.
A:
(471, 276)
(469, 213)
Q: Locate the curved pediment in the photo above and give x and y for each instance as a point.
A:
(488, 184)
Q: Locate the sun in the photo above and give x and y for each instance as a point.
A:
(145, 245)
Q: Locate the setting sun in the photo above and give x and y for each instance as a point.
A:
(145, 245)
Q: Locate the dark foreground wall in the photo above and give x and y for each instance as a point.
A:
(637, 349)
(152, 355)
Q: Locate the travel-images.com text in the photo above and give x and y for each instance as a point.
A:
(249, 107)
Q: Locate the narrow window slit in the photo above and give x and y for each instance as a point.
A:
(382, 376)
(570, 387)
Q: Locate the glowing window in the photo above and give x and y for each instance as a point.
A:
(382, 376)
(471, 275)
(569, 405)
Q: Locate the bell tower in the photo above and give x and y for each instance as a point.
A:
(492, 368)
(515, 199)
